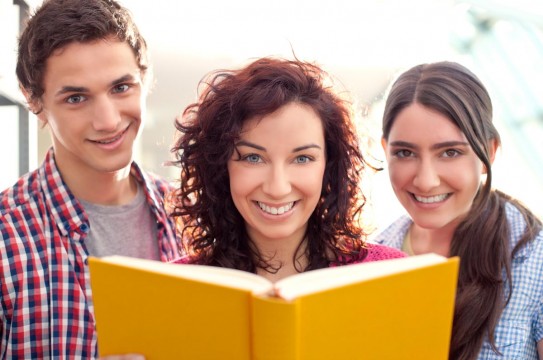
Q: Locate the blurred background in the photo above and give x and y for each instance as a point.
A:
(364, 44)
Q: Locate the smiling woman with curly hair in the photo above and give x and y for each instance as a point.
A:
(270, 173)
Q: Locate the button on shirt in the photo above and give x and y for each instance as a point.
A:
(46, 306)
(521, 323)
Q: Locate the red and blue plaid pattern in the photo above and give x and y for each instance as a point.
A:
(46, 306)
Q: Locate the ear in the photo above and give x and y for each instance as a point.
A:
(492, 149)
(384, 145)
(493, 146)
(34, 105)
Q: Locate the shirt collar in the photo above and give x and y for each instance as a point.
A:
(155, 199)
(66, 212)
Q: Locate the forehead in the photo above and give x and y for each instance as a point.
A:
(291, 121)
(85, 63)
(417, 121)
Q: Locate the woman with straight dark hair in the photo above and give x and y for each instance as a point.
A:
(270, 173)
(440, 143)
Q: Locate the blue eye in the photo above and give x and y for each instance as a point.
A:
(252, 158)
(302, 159)
(75, 99)
(121, 88)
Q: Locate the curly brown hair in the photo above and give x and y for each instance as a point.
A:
(212, 228)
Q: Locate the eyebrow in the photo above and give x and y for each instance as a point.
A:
(437, 146)
(82, 89)
(258, 147)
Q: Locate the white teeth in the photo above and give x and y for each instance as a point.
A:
(112, 140)
(274, 210)
(431, 199)
(109, 141)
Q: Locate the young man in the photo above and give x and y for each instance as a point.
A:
(82, 67)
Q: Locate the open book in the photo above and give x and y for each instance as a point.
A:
(391, 309)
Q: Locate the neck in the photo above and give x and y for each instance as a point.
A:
(101, 188)
(431, 240)
(280, 253)
(286, 270)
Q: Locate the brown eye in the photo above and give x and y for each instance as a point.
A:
(403, 153)
(450, 153)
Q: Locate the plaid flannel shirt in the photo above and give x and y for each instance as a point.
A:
(46, 305)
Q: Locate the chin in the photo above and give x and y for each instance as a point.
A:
(117, 166)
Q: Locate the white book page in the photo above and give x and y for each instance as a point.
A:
(324, 279)
(209, 274)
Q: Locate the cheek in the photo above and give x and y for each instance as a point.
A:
(398, 175)
(237, 191)
(242, 182)
(313, 187)
(471, 179)
(135, 107)
(68, 131)
(311, 183)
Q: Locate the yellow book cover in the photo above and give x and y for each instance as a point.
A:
(392, 309)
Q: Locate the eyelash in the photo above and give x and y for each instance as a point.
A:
(247, 157)
(455, 151)
(82, 98)
(306, 157)
(401, 153)
(127, 87)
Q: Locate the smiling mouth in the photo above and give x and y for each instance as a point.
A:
(431, 199)
(276, 210)
(113, 139)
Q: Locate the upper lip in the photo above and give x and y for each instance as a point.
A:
(275, 205)
(276, 209)
(441, 195)
(112, 137)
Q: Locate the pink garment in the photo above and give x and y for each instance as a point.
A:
(376, 252)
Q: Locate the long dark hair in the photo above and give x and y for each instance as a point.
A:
(482, 239)
(211, 226)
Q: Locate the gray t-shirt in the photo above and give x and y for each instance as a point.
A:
(128, 230)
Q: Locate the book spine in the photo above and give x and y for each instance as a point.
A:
(275, 329)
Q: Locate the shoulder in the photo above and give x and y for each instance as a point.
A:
(515, 218)
(159, 183)
(183, 260)
(394, 234)
(378, 252)
(152, 181)
(35, 186)
(23, 193)
(23, 208)
(517, 227)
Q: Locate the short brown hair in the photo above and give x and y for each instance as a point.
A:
(57, 23)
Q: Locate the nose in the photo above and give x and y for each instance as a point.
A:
(106, 115)
(426, 177)
(277, 184)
